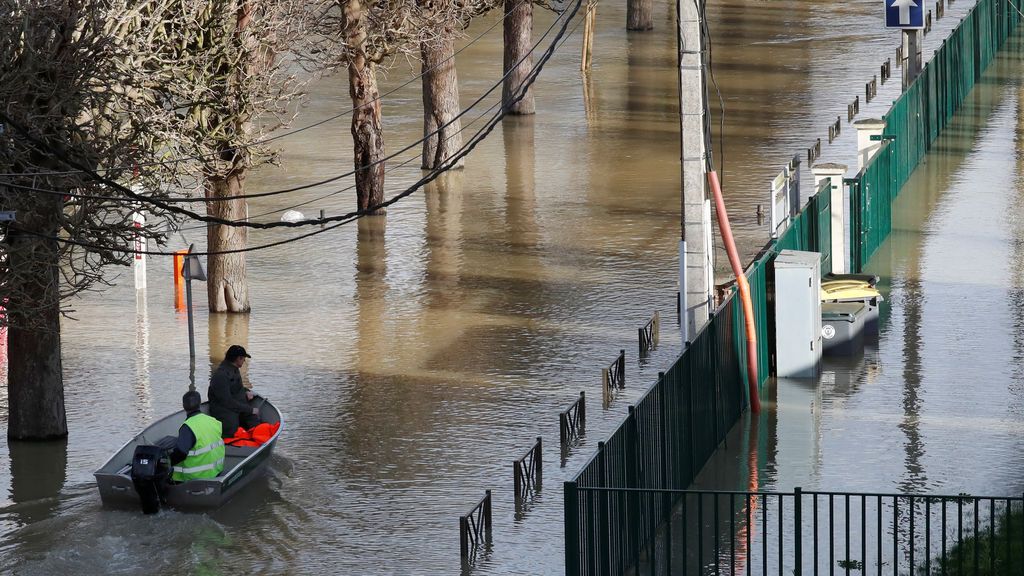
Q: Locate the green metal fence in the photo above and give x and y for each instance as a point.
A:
(917, 118)
(679, 422)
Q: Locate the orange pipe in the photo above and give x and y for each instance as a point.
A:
(744, 288)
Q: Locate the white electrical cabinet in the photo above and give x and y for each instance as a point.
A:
(797, 314)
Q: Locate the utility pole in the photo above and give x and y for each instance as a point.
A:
(696, 264)
(911, 55)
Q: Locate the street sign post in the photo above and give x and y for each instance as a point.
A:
(906, 14)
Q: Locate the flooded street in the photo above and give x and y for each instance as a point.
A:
(415, 358)
(936, 405)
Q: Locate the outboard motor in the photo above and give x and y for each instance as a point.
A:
(150, 469)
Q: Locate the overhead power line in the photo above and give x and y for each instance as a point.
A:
(339, 221)
(290, 132)
(166, 202)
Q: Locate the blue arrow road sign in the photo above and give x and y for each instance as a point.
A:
(904, 13)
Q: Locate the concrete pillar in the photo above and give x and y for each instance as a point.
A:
(866, 147)
(835, 173)
(696, 268)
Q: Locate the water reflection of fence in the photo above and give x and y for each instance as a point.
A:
(649, 334)
(733, 533)
(527, 473)
(475, 530)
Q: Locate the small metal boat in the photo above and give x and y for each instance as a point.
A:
(241, 465)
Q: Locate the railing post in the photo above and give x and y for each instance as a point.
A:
(797, 532)
(464, 539)
(622, 368)
(487, 517)
(834, 173)
(517, 482)
(563, 428)
(603, 522)
(606, 389)
(571, 506)
(538, 462)
(663, 429)
(581, 414)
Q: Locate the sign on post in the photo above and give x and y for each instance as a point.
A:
(906, 14)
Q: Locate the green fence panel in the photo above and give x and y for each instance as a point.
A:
(918, 117)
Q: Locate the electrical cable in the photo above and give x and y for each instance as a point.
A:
(380, 97)
(163, 203)
(482, 134)
(351, 186)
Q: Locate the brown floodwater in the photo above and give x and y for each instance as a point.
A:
(415, 357)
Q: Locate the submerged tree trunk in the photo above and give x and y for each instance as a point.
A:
(227, 285)
(640, 15)
(518, 28)
(367, 133)
(35, 385)
(440, 105)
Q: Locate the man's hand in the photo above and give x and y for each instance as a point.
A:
(248, 395)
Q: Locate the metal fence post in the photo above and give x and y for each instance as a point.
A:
(571, 505)
(538, 462)
(517, 482)
(797, 532)
(487, 516)
(581, 414)
(464, 539)
(603, 525)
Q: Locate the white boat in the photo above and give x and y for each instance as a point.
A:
(241, 465)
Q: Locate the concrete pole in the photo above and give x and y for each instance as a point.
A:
(696, 267)
(834, 173)
(866, 147)
(911, 56)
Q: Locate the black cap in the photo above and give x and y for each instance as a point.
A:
(191, 401)
(235, 351)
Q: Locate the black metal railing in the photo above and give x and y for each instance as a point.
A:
(853, 108)
(526, 473)
(928, 22)
(899, 56)
(886, 70)
(614, 376)
(871, 89)
(649, 334)
(814, 151)
(475, 531)
(762, 533)
(835, 129)
(572, 422)
(940, 9)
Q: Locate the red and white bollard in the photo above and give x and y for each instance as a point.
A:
(139, 263)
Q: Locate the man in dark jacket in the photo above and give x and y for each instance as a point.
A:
(229, 400)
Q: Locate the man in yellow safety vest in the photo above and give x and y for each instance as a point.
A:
(199, 451)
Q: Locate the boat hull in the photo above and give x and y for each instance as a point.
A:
(241, 466)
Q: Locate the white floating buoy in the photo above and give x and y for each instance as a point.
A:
(292, 216)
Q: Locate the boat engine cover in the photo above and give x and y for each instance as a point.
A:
(150, 469)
